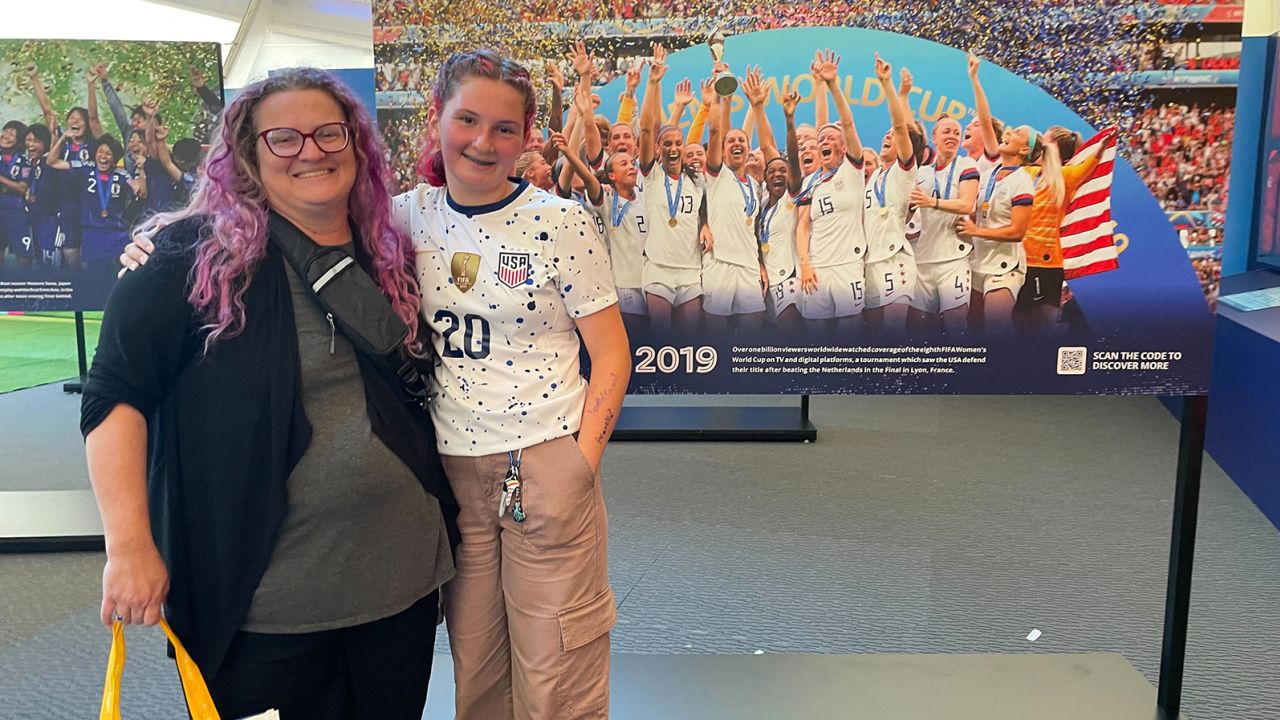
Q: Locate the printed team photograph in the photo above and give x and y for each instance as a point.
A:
(96, 137)
(959, 226)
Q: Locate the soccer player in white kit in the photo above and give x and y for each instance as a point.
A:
(983, 133)
(945, 189)
(891, 264)
(510, 277)
(731, 273)
(1005, 194)
(1004, 211)
(672, 274)
(618, 207)
(776, 221)
(830, 244)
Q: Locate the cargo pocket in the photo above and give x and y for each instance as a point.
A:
(582, 685)
(581, 624)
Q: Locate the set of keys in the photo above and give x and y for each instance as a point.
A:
(510, 497)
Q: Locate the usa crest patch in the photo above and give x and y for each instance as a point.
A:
(513, 269)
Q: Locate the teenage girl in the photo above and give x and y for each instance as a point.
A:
(510, 277)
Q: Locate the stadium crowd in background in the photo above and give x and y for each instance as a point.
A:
(1182, 153)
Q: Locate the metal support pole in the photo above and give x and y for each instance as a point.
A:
(1186, 505)
(76, 386)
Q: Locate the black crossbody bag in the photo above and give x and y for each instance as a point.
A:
(354, 301)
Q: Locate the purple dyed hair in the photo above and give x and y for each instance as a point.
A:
(232, 197)
(460, 67)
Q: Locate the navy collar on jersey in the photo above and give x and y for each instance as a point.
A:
(469, 210)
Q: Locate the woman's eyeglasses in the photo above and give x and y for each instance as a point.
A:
(284, 142)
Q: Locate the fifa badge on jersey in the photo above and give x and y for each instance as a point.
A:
(464, 268)
(513, 269)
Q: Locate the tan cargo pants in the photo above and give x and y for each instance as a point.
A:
(530, 610)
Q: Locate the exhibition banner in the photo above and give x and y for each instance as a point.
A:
(1132, 317)
(97, 136)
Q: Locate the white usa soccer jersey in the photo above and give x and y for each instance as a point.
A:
(891, 269)
(778, 238)
(944, 278)
(626, 227)
(938, 240)
(731, 275)
(501, 287)
(885, 211)
(777, 228)
(666, 199)
(731, 211)
(998, 194)
(837, 237)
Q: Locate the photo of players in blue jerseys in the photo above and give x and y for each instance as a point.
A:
(96, 136)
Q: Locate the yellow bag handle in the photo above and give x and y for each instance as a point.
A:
(197, 693)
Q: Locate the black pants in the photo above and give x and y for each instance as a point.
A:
(377, 670)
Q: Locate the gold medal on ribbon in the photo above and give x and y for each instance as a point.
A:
(986, 207)
(673, 222)
(791, 205)
(884, 211)
(764, 248)
(750, 220)
(463, 268)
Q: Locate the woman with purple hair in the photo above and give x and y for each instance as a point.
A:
(260, 477)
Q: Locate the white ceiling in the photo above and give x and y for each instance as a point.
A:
(256, 35)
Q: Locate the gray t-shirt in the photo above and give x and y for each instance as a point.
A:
(361, 540)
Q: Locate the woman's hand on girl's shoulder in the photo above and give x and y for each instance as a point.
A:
(139, 249)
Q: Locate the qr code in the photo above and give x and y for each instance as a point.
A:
(1071, 360)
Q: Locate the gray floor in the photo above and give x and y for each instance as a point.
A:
(914, 525)
(913, 686)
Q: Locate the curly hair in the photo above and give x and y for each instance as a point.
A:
(233, 201)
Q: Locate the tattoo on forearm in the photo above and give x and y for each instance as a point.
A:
(606, 428)
(609, 387)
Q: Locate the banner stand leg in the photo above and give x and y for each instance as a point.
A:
(1182, 555)
(724, 424)
(75, 386)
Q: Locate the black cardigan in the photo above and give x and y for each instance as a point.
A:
(225, 430)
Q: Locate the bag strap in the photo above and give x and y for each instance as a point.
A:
(358, 315)
(199, 702)
(372, 309)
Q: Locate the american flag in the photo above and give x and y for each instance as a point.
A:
(513, 268)
(1088, 242)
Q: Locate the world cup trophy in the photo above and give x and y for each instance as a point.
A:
(725, 83)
